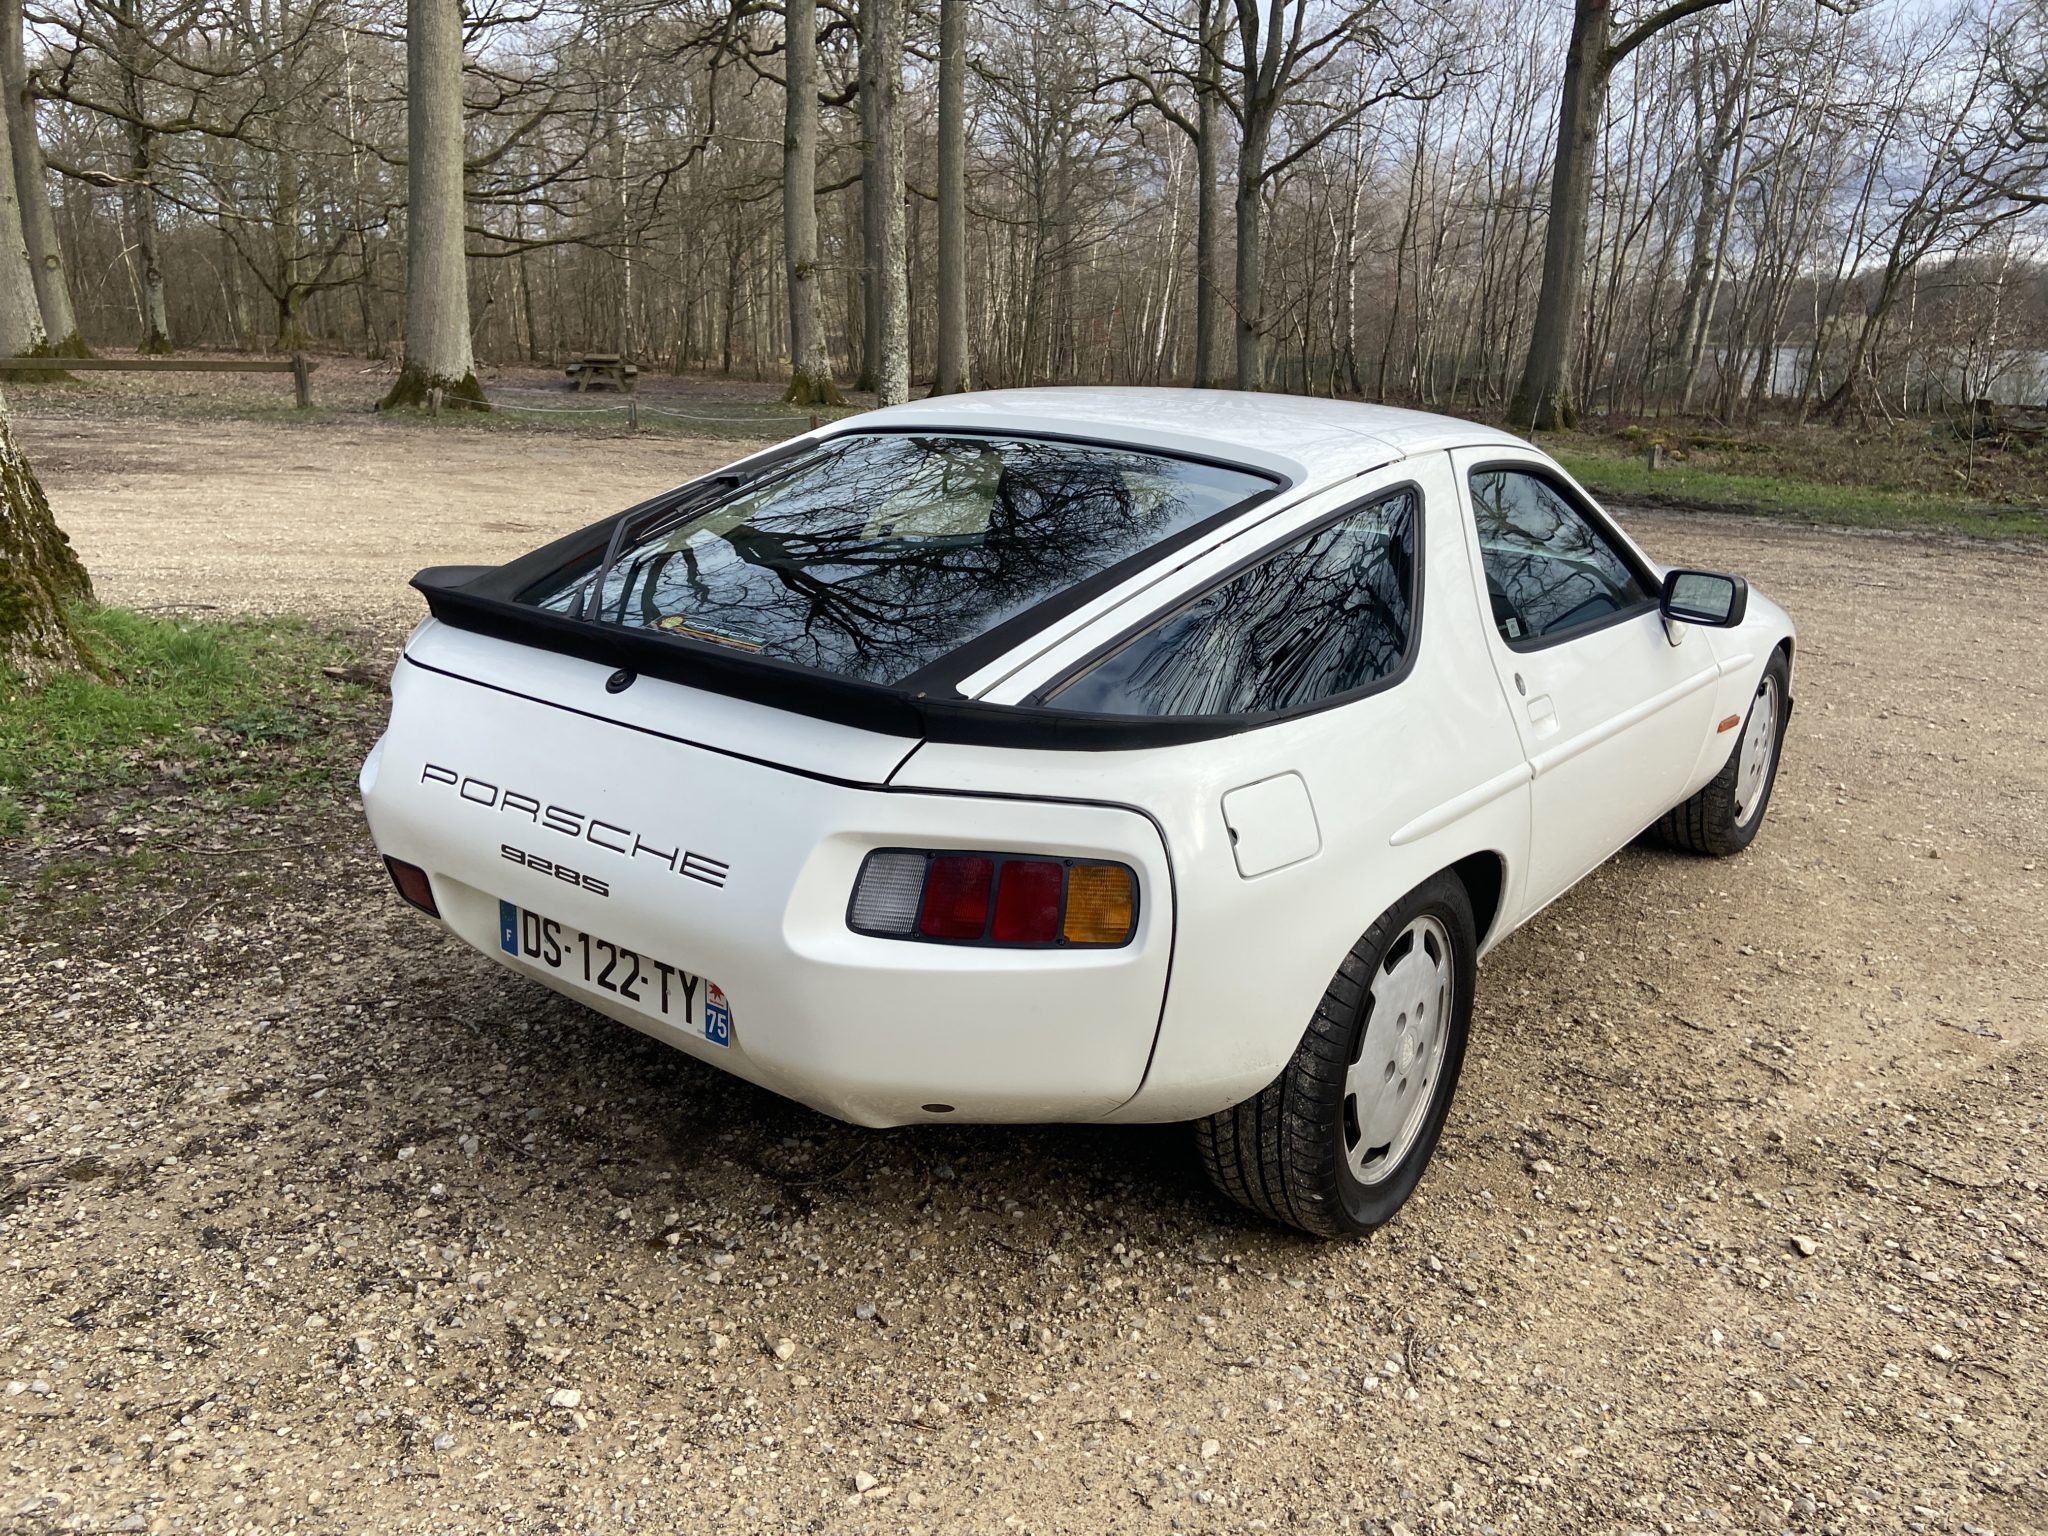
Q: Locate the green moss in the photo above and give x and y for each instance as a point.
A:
(205, 702)
(809, 389)
(414, 387)
(16, 602)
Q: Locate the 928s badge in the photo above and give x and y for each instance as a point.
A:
(717, 1017)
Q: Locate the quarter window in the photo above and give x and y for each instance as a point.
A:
(1549, 569)
(1329, 613)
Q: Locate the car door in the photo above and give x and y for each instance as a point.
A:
(1611, 708)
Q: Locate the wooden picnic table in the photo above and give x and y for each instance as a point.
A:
(602, 368)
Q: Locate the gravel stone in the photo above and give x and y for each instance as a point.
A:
(202, 1111)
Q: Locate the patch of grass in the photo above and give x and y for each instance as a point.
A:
(1852, 506)
(191, 703)
(1914, 476)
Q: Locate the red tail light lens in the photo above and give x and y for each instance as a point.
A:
(413, 885)
(955, 904)
(994, 899)
(1028, 902)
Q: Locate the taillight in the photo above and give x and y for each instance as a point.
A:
(1100, 903)
(992, 898)
(1028, 902)
(955, 904)
(413, 885)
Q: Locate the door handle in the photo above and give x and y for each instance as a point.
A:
(1542, 714)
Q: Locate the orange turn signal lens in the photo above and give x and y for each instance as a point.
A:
(1101, 904)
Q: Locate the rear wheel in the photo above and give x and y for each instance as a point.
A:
(1337, 1142)
(1723, 818)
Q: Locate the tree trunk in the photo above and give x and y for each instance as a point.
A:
(235, 297)
(138, 193)
(1543, 400)
(952, 375)
(1208, 202)
(1251, 314)
(31, 182)
(366, 274)
(290, 288)
(39, 574)
(810, 372)
(885, 360)
(138, 202)
(21, 317)
(437, 354)
(873, 26)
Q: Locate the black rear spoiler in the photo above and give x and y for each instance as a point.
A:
(476, 598)
(488, 600)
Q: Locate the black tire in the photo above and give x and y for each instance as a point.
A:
(1713, 822)
(1284, 1152)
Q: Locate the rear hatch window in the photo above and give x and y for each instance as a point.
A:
(878, 554)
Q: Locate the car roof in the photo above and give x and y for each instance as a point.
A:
(1305, 439)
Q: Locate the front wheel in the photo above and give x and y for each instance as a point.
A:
(1723, 818)
(1337, 1142)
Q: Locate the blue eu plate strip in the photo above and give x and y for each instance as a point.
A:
(508, 928)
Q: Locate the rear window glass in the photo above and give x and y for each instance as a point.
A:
(881, 553)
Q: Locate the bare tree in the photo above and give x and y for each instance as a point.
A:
(437, 352)
(1544, 400)
(885, 359)
(21, 315)
(2019, 73)
(31, 182)
(1185, 88)
(892, 278)
(1074, 186)
(810, 373)
(952, 374)
(1279, 56)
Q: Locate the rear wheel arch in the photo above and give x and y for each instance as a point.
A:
(1485, 878)
(1292, 1151)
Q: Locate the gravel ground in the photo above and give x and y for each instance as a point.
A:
(326, 517)
(317, 1221)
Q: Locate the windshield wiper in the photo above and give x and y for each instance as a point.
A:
(767, 468)
(590, 605)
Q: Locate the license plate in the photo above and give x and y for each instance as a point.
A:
(655, 987)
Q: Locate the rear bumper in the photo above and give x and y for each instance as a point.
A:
(740, 873)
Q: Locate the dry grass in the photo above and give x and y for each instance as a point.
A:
(1910, 474)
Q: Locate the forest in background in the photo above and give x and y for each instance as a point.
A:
(1791, 205)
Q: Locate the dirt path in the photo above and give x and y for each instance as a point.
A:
(326, 517)
(319, 1221)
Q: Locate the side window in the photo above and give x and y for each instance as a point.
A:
(1548, 569)
(1329, 613)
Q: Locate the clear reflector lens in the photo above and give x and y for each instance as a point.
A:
(885, 897)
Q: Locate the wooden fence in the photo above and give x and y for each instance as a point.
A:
(297, 365)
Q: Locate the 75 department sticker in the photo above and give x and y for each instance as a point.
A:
(717, 1017)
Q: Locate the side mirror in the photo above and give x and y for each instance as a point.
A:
(1704, 597)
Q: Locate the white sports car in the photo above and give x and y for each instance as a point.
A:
(1088, 755)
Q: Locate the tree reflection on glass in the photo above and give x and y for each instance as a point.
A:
(1548, 569)
(881, 553)
(1325, 615)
